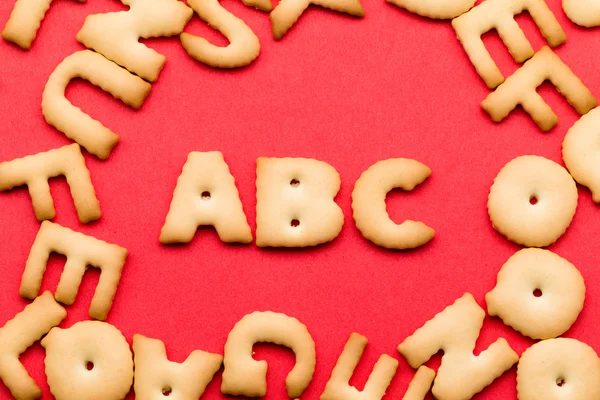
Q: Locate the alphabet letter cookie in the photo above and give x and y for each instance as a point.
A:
(34, 171)
(435, 9)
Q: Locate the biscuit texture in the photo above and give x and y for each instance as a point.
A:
(25, 20)
(435, 9)
(155, 376)
(90, 360)
(420, 384)
(538, 293)
(81, 250)
(115, 35)
(20, 333)
(455, 331)
(69, 119)
(206, 195)
(35, 170)
(559, 369)
(584, 13)
(287, 12)
(532, 201)
(295, 204)
(499, 15)
(338, 388)
(581, 154)
(243, 48)
(520, 89)
(245, 376)
(368, 204)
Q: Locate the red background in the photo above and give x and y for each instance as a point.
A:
(343, 90)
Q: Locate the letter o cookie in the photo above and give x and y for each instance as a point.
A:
(532, 201)
(91, 360)
(561, 294)
(559, 369)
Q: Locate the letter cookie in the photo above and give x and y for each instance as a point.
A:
(18, 335)
(206, 195)
(285, 15)
(368, 204)
(539, 294)
(245, 376)
(435, 9)
(420, 384)
(156, 376)
(34, 171)
(583, 12)
(69, 119)
(532, 201)
(455, 331)
(499, 15)
(295, 204)
(520, 89)
(81, 250)
(559, 369)
(91, 360)
(25, 20)
(115, 35)
(243, 46)
(580, 152)
(338, 387)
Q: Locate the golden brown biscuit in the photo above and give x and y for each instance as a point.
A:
(295, 204)
(25, 20)
(532, 201)
(115, 35)
(20, 333)
(338, 388)
(206, 195)
(538, 293)
(287, 12)
(420, 384)
(243, 47)
(499, 15)
(69, 119)
(90, 360)
(242, 375)
(435, 9)
(368, 204)
(581, 154)
(559, 369)
(35, 170)
(583, 12)
(81, 250)
(155, 376)
(520, 89)
(455, 331)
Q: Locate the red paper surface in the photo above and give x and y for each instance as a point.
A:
(339, 89)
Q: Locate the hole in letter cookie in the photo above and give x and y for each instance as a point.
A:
(154, 373)
(25, 20)
(510, 208)
(68, 351)
(35, 170)
(559, 369)
(81, 250)
(368, 204)
(455, 330)
(247, 377)
(244, 46)
(338, 388)
(538, 293)
(311, 203)
(499, 15)
(218, 204)
(520, 89)
(115, 35)
(18, 335)
(69, 119)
